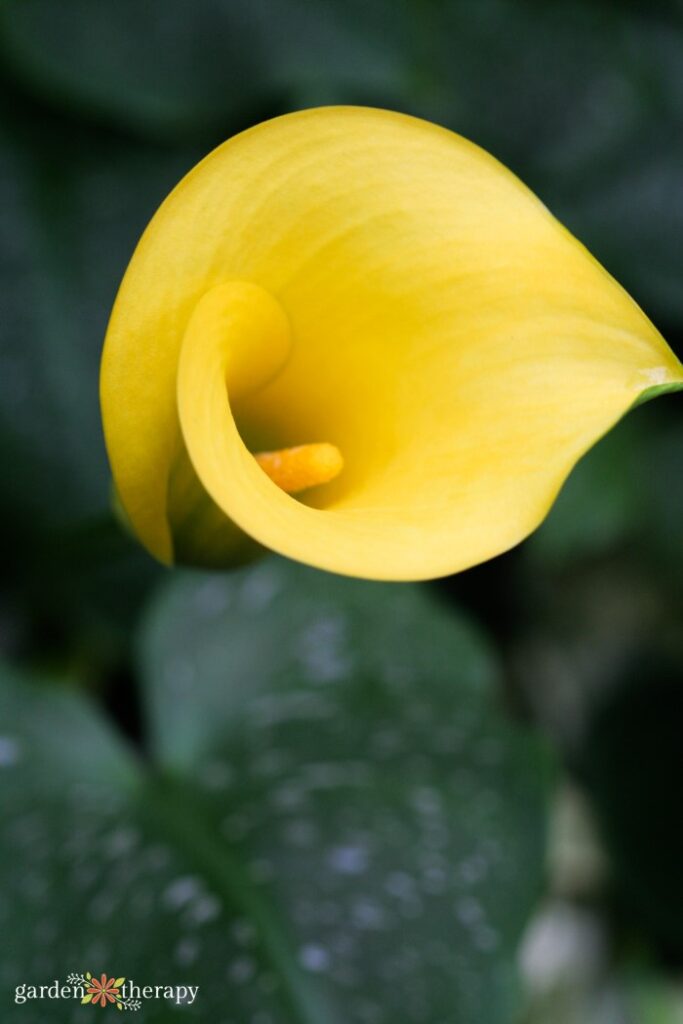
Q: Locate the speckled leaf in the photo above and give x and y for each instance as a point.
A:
(341, 823)
(107, 870)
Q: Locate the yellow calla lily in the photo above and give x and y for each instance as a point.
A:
(355, 338)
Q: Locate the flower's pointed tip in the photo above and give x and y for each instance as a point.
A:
(656, 390)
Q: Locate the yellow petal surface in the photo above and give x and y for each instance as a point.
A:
(374, 283)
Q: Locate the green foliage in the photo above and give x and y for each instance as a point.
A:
(336, 821)
(75, 204)
(632, 765)
(652, 1001)
(185, 70)
(624, 494)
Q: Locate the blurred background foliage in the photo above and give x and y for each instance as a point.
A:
(322, 800)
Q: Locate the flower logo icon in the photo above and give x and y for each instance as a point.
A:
(106, 990)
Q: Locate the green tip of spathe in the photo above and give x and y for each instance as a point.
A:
(656, 390)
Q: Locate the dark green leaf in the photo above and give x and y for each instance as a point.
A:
(168, 68)
(345, 828)
(73, 210)
(631, 764)
(584, 101)
(624, 495)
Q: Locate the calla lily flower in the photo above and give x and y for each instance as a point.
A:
(355, 338)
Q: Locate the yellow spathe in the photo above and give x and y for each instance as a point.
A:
(376, 285)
